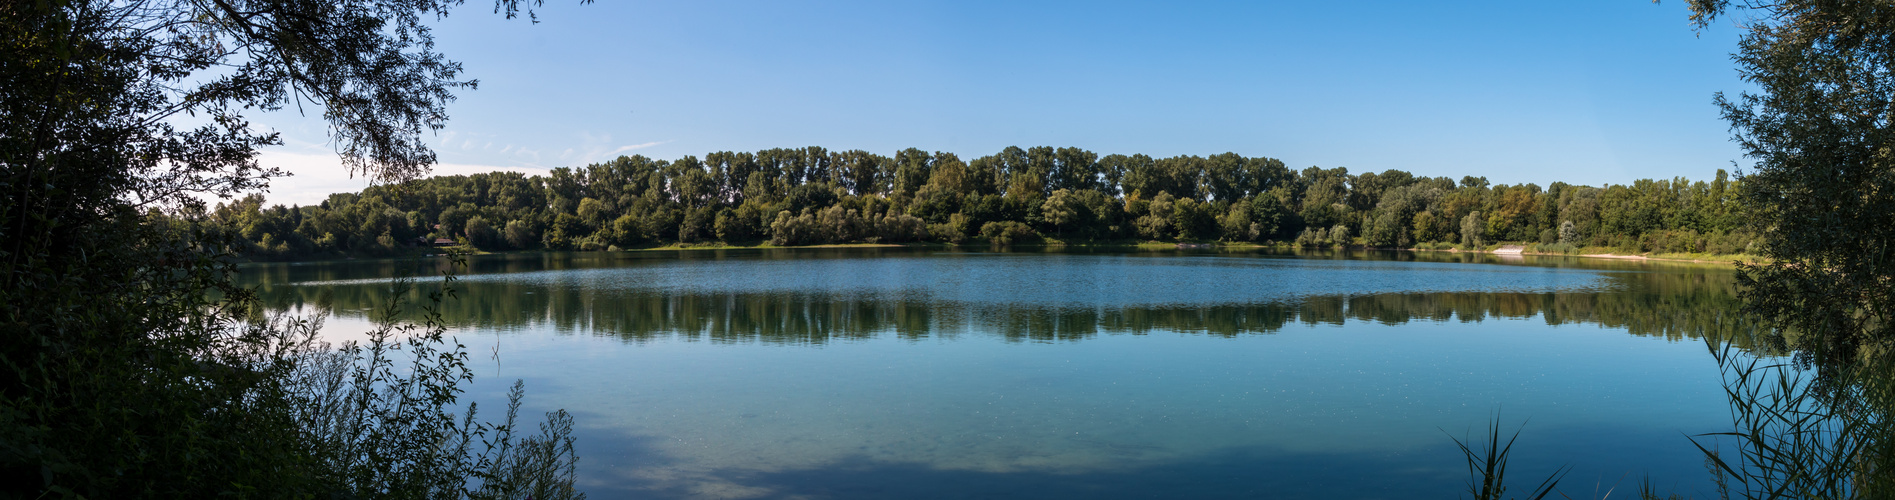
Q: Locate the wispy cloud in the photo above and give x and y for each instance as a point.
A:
(601, 147)
(315, 175)
(622, 149)
(478, 148)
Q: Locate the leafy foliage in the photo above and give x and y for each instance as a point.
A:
(130, 367)
(741, 198)
(1820, 128)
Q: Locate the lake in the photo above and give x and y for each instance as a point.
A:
(911, 373)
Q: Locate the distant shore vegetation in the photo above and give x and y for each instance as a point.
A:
(813, 196)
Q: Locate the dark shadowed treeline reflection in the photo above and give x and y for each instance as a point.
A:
(1669, 301)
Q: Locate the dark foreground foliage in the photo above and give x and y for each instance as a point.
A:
(1820, 127)
(130, 367)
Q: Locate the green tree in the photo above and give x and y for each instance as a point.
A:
(1339, 235)
(626, 231)
(1007, 232)
(1823, 187)
(1058, 210)
(592, 213)
(481, 234)
(1075, 169)
(520, 234)
(1194, 220)
(1424, 227)
(1822, 193)
(1384, 231)
(1156, 223)
(1268, 212)
(1471, 231)
(732, 227)
(699, 224)
(1237, 224)
(133, 367)
(913, 168)
(633, 200)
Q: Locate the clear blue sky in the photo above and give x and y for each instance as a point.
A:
(1591, 92)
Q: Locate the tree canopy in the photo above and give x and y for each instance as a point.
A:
(811, 195)
(1821, 128)
(130, 366)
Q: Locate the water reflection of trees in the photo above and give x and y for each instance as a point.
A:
(1671, 305)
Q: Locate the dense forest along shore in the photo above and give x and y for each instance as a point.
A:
(1034, 196)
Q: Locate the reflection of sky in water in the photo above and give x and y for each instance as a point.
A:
(1355, 410)
(1065, 280)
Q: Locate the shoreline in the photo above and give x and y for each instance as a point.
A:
(1731, 260)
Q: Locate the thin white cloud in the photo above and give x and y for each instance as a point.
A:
(314, 176)
(622, 149)
(476, 148)
(599, 148)
(465, 169)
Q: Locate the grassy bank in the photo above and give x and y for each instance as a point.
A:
(1528, 249)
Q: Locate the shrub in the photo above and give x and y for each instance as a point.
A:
(1554, 248)
(626, 231)
(1007, 232)
(1194, 220)
(1470, 231)
(794, 229)
(520, 235)
(699, 224)
(1156, 224)
(378, 426)
(897, 228)
(480, 233)
(842, 225)
(732, 229)
(592, 243)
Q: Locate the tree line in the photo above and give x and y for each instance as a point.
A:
(815, 196)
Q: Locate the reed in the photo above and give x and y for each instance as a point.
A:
(1487, 465)
(381, 418)
(1809, 429)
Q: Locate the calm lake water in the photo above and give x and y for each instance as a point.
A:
(901, 373)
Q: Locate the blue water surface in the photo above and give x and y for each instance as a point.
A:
(918, 374)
